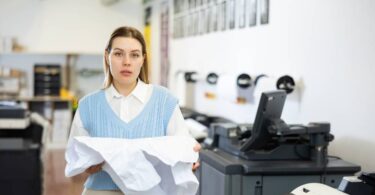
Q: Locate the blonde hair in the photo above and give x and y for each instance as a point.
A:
(125, 32)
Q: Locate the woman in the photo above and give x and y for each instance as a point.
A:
(128, 106)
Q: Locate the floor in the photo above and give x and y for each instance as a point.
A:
(55, 182)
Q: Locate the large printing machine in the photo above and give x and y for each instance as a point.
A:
(20, 152)
(268, 157)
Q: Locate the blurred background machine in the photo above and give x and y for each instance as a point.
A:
(21, 141)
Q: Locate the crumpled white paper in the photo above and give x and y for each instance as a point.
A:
(158, 165)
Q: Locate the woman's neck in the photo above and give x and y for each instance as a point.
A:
(124, 90)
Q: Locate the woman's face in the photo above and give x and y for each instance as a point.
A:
(125, 60)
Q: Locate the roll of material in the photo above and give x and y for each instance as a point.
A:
(267, 83)
(185, 87)
(211, 85)
(236, 88)
(286, 83)
(212, 78)
(191, 76)
(245, 89)
(226, 87)
(244, 81)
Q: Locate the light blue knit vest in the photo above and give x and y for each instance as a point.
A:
(99, 120)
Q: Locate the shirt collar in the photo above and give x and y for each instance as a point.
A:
(139, 92)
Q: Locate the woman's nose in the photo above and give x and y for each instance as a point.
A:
(126, 60)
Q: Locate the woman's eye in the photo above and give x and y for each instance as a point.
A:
(135, 55)
(118, 54)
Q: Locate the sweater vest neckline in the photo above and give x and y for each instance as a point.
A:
(109, 110)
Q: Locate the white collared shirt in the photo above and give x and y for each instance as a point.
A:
(128, 107)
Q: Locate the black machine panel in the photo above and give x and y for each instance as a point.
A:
(270, 108)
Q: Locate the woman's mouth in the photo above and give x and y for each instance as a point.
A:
(126, 73)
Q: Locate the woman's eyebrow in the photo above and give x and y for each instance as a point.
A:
(134, 50)
(118, 49)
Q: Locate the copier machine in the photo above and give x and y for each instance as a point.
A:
(20, 152)
(268, 157)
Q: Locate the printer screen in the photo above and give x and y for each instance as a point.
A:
(269, 109)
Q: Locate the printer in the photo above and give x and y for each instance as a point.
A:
(13, 116)
(268, 157)
(20, 151)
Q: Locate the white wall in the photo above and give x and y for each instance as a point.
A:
(329, 44)
(66, 26)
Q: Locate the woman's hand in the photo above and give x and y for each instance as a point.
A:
(94, 169)
(196, 148)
